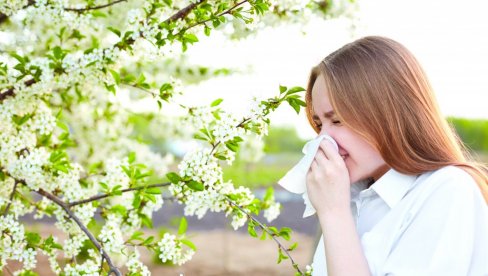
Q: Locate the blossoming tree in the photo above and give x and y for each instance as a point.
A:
(69, 73)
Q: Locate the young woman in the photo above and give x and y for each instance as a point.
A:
(400, 197)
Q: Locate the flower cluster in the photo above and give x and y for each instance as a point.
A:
(171, 249)
(201, 166)
(90, 267)
(13, 245)
(226, 129)
(135, 266)
(68, 122)
(8, 7)
(111, 235)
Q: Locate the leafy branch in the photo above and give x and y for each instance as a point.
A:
(97, 197)
(272, 232)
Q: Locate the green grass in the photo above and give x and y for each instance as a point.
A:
(262, 174)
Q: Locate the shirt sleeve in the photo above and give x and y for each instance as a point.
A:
(448, 235)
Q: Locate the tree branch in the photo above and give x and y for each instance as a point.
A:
(83, 228)
(3, 17)
(11, 198)
(218, 15)
(81, 10)
(181, 14)
(10, 92)
(69, 205)
(265, 228)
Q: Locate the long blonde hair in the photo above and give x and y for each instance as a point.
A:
(378, 89)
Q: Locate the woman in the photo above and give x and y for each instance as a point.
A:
(419, 205)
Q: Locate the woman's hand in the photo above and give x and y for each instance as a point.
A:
(328, 182)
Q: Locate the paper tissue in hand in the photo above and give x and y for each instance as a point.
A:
(295, 180)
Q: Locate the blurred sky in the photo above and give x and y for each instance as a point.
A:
(450, 38)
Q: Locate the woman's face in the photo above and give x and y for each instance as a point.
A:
(362, 160)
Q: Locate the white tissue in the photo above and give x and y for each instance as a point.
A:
(295, 180)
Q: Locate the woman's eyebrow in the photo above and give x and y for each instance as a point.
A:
(327, 115)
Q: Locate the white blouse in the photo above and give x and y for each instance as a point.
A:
(432, 224)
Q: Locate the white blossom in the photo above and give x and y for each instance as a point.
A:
(272, 212)
(170, 249)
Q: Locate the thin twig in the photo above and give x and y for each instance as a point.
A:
(8, 270)
(181, 14)
(142, 89)
(81, 10)
(97, 197)
(265, 228)
(218, 15)
(10, 92)
(245, 120)
(83, 228)
(11, 198)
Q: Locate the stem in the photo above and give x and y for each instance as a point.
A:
(265, 228)
(97, 197)
(141, 88)
(218, 15)
(245, 120)
(8, 270)
(181, 14)
(95, 7)
(10, 92)
(83, 228)
(11, 198)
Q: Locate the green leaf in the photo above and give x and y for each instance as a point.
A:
(21, 120)
(132, 157)
(183, 226)
(194, 185)
(269, 194)
(216, 102)
(137, 236)
(251, 230)
(153, 191)
(137, 201)
(33, 239)
(190, 38)
(148, 241)
(293, 247)
(207, 30)
(165, 87)
(282, 89)
(116, 76)
(146, 221)
(58, 52)
(189, 244)
(285, 233)
(199, 137)
(50, 243)
(232, 146)
(115, 31)
(119, 209)
(28, 273)
(294, 90)
(173, 177)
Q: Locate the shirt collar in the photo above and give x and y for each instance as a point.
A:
(393, 186)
